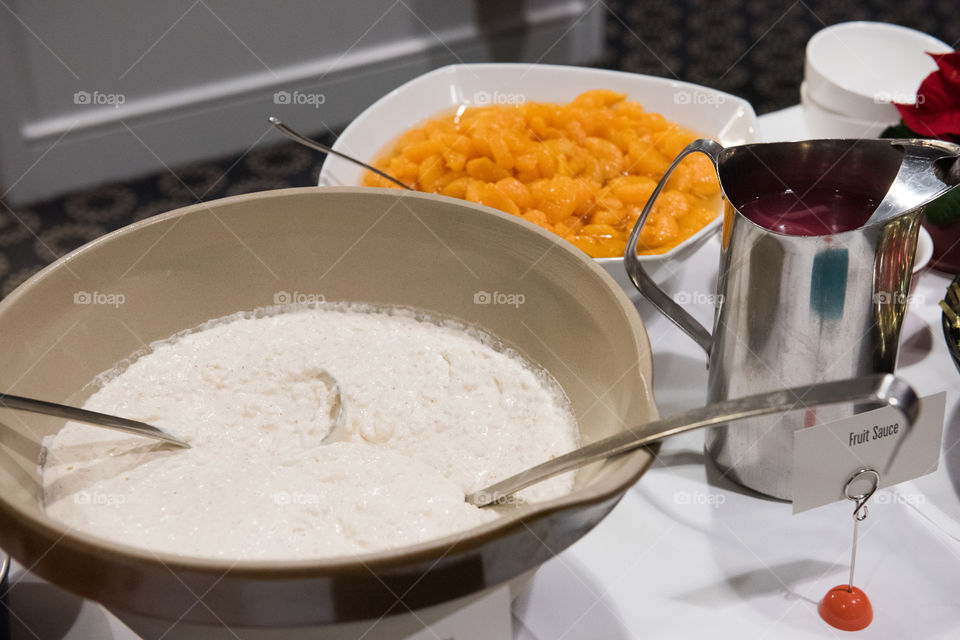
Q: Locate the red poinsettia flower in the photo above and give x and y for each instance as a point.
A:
(936, 113)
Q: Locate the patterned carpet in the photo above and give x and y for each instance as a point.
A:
(748, 48)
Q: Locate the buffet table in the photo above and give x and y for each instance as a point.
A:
(688, 554)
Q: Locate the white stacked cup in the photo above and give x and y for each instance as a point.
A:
(854, 71)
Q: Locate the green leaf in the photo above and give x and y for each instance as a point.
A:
(944, 209)
(899, 131)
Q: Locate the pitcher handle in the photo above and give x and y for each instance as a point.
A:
(642, 281)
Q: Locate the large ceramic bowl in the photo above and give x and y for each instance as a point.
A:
(711, 113)
(110, 298)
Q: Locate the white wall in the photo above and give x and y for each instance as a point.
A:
(164, 83)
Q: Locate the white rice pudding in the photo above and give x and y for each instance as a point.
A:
(434, 412)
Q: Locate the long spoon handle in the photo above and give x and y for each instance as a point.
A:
(89, 417)
(317, 146)
(880, 390)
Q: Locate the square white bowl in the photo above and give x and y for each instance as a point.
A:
(707, 112)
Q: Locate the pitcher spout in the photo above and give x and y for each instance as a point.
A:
(928, 170)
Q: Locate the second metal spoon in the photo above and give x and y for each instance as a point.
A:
(318, 146)
(878, 390)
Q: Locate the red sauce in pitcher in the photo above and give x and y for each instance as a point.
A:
(814, 212)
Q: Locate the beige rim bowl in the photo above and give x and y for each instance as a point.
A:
(177, 270)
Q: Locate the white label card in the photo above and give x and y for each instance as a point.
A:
(826, 456)
(488, 618)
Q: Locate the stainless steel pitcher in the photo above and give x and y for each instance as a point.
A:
(793, 310)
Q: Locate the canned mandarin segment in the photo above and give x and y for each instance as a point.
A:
(581, 170)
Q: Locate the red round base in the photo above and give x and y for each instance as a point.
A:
(847, 608)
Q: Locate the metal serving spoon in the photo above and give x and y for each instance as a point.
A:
(879, 390)
(126, 425)
(19, 403)
(317, 146)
